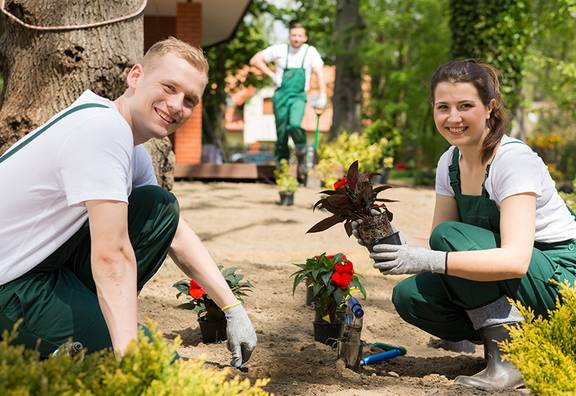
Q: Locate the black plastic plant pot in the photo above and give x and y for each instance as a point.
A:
(327, 333)
(286, 198)
(212, 331)
(392, 239)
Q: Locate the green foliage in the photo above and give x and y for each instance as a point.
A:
(336, 156)
(324, 275)
(284, 179)
(570, 199)
(404, 42)
(544, 350)
(202, 304)
(497, 32)
(147, 368)
(353, 198)
(380, 129)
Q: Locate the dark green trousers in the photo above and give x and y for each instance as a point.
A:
(437, 303)
(57, 299)
(289, 112)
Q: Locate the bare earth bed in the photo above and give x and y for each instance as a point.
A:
(243, 226)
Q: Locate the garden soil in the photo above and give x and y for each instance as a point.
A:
(243, 225)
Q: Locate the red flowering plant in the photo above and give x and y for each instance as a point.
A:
(331, 279)
(355, 198)
(202, 304)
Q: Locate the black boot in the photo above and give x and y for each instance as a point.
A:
(498, 374)
(302, 170)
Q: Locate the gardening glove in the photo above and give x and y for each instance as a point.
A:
(241, 335)
(320, 102)
(405, 259)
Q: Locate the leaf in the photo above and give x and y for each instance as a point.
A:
(338, 295)
(325, 224)
(385, 200)
(357, 284)
(382, 188)
(329, 192)
(326, 278)
(348, 227)
(352, 175)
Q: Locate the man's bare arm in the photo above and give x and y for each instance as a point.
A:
(259, 62)
(114, 269)
(192, 257)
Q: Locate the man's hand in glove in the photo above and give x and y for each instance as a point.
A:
(320, 103)
(405, 259)
(241, 335)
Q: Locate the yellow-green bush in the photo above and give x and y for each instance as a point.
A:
(145, 369)
(336, 156)
(544, 350)
(570, 199)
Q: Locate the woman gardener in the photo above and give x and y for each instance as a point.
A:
(500, 229)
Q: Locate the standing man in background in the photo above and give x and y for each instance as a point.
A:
(294, 63)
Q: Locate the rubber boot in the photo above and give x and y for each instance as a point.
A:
(302, 170)
(498, 374)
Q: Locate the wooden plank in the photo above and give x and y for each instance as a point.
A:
(216, 171)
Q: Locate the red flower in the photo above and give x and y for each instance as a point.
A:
(340, 183)
(345, 268)
(341, 279)
(401, 165)
(196, 290)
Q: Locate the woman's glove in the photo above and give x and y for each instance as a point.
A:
(241, 335)
(405, 259)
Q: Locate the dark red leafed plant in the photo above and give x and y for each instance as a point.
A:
(355, 198)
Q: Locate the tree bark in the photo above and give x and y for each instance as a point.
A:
(45, 71)
(347, 98)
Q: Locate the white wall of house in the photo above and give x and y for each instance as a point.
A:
(257, 125)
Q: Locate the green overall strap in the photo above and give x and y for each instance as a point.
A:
(38, 133)
(304, 58)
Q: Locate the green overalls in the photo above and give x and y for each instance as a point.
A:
(289, 104)
(57, 299)
(437, 303)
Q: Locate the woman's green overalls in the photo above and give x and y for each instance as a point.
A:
(289, 104)
(437, 303)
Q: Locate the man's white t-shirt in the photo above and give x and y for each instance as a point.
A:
(277, 54)
(517, 169)
(87, 155)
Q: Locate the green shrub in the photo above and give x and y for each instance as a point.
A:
(544, 350)
(284, 179)
(570, 199)
(335, 157)
(145, 369)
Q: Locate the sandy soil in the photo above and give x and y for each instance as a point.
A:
(242, 225)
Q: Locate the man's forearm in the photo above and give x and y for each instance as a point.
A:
(115, 276)
(258, 62)
(192, 257)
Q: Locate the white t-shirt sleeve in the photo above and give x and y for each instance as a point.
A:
(94, 161)
(142, 169)
(442, 185)
(516, 170)
(272, 53)
(315, 58)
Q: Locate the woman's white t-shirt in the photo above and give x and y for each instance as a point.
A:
(517, 169)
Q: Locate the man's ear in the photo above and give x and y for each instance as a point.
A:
(134, 75)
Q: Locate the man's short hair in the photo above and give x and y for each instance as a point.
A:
(295, 24)
(191, 54)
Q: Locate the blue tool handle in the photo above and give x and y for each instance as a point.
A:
(355, 307)
(378, 357)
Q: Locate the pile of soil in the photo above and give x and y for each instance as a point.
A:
(242, 225)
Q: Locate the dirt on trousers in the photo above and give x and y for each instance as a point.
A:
(242, 225)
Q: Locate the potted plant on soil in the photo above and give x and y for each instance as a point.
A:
(331, 279)
(287, 183)
(355, 198)
(211, 318)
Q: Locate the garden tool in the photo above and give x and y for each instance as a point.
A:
(389, 351)
(498, 374)
(350, 344)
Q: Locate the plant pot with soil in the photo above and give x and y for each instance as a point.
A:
(354, 198)
(211, 319)
(331, 279)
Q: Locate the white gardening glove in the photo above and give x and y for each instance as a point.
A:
(320, 102)
(276, 80)
(241, 335)
(405, 259)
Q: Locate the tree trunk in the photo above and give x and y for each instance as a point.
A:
(347, 97)
(45, 71)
